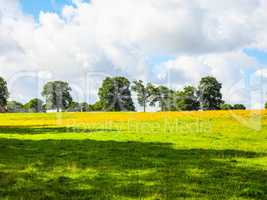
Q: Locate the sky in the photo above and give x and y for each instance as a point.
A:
(169, 42)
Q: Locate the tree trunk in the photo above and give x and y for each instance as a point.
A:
(2, 109)
(145, 106)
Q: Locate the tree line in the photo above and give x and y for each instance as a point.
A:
(115, 94)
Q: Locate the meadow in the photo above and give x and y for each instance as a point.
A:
(172, 155)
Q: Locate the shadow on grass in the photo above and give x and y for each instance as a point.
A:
(50, 130)
(121, 170)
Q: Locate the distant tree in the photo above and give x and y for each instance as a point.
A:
(164, 96)
(3, 95)
(209, 93)
(115, 94)
(34, 105)
(239, 107)
(146, 94)
(57, 95)
(226, 106)
(78, 107)
(15, 107)
(96, 107)
(265, 106)
(187, 99)
(74, 107)
(84, 107)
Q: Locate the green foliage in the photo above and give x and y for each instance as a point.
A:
(4, 94)
(15, 107)
(34, 105)
(57, 95)
(146, 94)
(226, 106)
(84, 107)
(74, 107)
(209, 93)
(187, 99)
(78, 107)
(165, 97)
(115, 95)
(98, 106)
(239, 107)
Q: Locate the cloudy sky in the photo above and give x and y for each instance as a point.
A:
(170, 42)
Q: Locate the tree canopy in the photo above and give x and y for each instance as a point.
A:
(145, 93)
(15, 107)
(209, 93)
(57, 95)
(115, 94)
(4, 94)
(34, 105)
(239, 107)
(187, 99)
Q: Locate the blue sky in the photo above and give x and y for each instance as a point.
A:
(34, 7)
(261, 56)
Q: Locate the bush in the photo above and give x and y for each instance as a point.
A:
(226, 106)
(239, 107)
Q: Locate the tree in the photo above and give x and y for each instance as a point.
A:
(164, 96)
(145, 93)
(96, 107)
(187, 99)
(34, 105)
(239, 107)
(78, 107)
(57, 95)
(4, 94)
(209, 93)
(14, 107)
(74, 107)
(226, 106)
(84, 107)
(115, 95)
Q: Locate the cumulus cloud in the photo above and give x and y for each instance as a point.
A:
(91, 40)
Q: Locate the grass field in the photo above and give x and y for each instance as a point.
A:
(197, 155)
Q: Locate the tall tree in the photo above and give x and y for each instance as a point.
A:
(165, 97)
(209, 93)
(3, 95)
(115, 94)
(34, 105)
(57, 95)
(187, 99)
(145, 93)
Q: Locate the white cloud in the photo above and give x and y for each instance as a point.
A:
(118, 37)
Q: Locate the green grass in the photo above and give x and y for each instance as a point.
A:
(132, 156)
